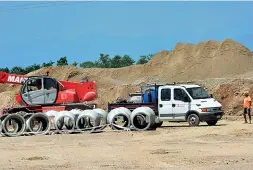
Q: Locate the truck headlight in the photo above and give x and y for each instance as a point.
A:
(206, 110)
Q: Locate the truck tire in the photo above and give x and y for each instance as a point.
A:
(159, 124)
(193, 120)
(212, 122)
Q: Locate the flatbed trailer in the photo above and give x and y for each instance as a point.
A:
(132, 106)
(179, 103)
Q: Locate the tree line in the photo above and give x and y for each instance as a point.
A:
(104, 61)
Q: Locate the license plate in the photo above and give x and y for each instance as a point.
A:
(218, 116)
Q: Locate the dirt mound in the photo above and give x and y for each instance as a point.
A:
(210, 63)
(210, 59)
(231, 95)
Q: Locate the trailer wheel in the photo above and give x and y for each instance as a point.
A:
(193, 120)
(212, 122)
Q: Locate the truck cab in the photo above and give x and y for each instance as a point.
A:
(185, 102)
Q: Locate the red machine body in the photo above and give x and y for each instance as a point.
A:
(63, 92)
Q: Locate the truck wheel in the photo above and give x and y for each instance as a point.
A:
(193, 120)
(156, 125)
(159, 124)
(212, 122)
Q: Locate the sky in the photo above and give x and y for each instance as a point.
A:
(36, 32)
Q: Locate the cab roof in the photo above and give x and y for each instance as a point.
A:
(188, 85)
(183, 85)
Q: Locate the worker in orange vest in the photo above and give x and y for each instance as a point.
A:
(247, 106)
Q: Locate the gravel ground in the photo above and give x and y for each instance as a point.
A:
(173, 146)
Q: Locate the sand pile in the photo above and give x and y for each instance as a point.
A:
(209, 63)
(210, 59)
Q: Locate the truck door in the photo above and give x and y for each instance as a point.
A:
(32, 91)
(51, 90)
(165, 104)
(181, 104)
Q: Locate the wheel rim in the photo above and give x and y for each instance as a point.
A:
(193, 120)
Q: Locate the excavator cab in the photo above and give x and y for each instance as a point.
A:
(39, 90)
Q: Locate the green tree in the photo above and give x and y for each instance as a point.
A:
(75, 64)
(88, 64)
(144, 59)
(62, 61)
(150, 56)
(116, 61)
(31, 68)
(17, 70)
(104, 61)
(6, 69)
(126, 60)
(49, 64)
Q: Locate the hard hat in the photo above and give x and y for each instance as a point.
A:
(246, 92)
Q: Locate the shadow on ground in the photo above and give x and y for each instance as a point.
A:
(169, 126)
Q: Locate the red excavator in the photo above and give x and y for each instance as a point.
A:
(42, 93)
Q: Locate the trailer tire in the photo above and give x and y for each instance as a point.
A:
(193, 119)
(212, 122)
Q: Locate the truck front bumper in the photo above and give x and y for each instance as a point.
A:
(210, 116)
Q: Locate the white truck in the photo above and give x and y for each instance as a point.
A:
(178, 103)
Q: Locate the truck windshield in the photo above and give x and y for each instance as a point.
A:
(198, 93)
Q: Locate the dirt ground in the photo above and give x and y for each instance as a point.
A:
(173, 146)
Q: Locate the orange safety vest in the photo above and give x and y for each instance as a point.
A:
(247, 102)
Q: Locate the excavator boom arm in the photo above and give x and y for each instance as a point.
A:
(12, 78)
